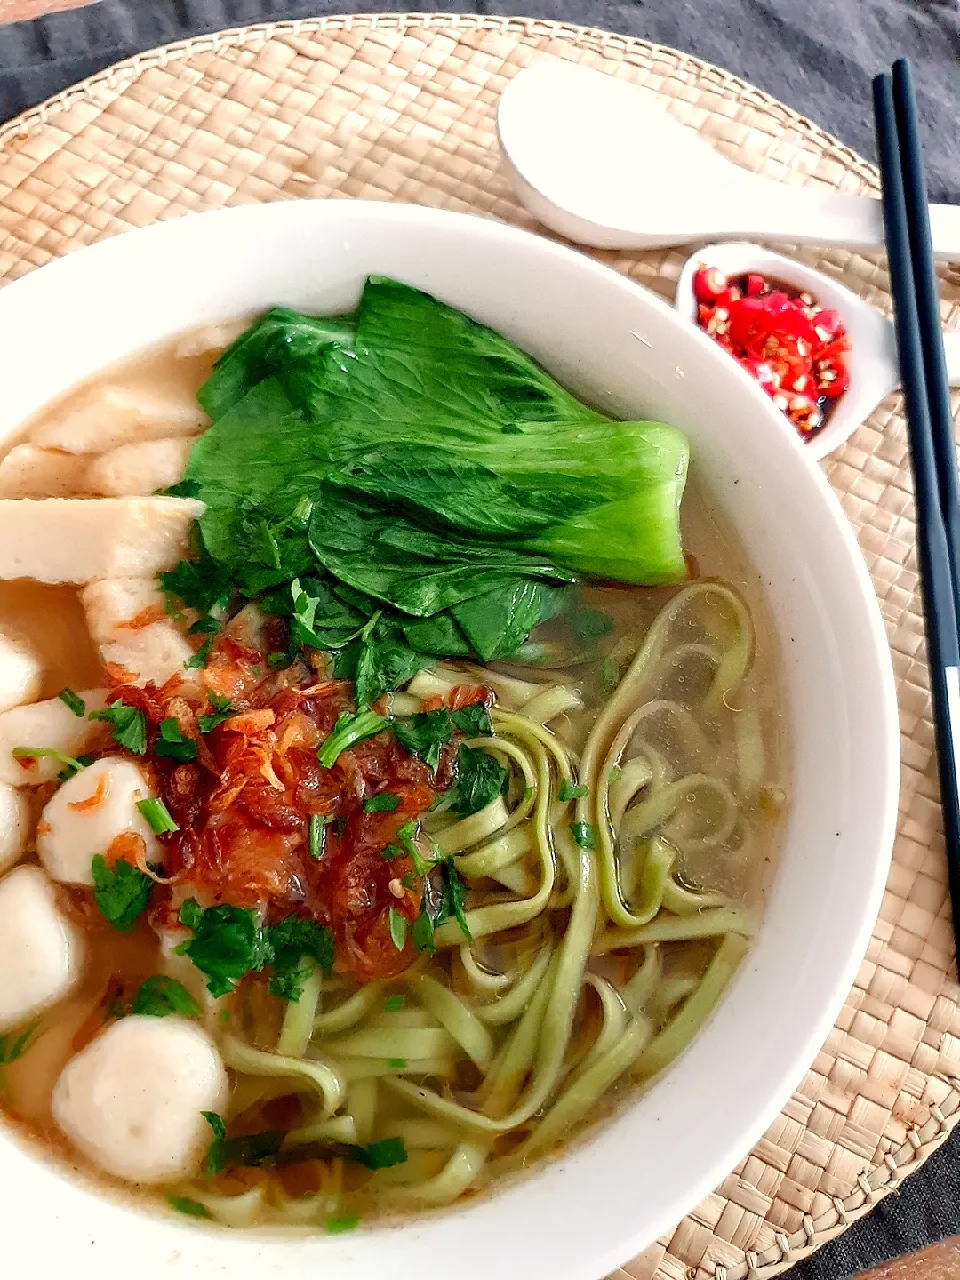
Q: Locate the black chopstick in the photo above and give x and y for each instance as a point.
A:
(936, 504)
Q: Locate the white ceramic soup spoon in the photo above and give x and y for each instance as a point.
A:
(872, 358)
(594, 159)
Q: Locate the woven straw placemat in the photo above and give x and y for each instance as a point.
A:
(402, 108)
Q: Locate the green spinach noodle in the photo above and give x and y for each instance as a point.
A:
(562, 885)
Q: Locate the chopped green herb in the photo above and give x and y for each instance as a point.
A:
(398, 928)
(383, 803)
(570, 792)
(337, 1225)
(615, 774)
(393, 1004)
(159, 996)
(216, 1123)
(317, 834)
(250, 1151)
(473, 720)
(223, 709)
(424, 734)
(609, 674)
(158, 816)
(199, 659)
(296, 946)
(192, 1208)
(381, 1155)
(391, 851)
(73, 701)
(584, 835)
(397, 1064)
(347, 732)
(407, 880)
(227, 943)
(406, 835)
(204, 627)
(480, 779)
(423, 933)
(200, 584)
(279, 658)
(13, 1047)
(173, 744)
(70, 764)
(129, 726)
(121, 892)
(454, 898)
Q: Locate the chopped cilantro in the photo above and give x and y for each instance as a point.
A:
(192, 1208)
(227, 944)
(336, 1225)
(222, 710)
(454, 898)
(201, 584)
(73, 701)
(129, 726)
(406, 835)
(297, 945)
(204, 627)
(424, 734)
(172, 743)
(13, 1047)
(216, 1123)
(121, 892)
(393, 1004)
(584, 835)
(423, 933)
(199, 659)
(570, 792)
(473, 720)
(160, 995)
(397, 1064)
(480, 779)
(381, 1155)
(347, 732)
(383, 803)
(398, 928)
(615, 774)
(157, 816)
(250, 1151)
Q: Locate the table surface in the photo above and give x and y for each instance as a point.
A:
(816, 55)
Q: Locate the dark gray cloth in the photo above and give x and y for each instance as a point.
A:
(816, 55)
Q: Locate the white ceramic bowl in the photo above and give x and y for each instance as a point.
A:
(612, 342)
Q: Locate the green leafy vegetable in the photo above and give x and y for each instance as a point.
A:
(129, 725)
(383, 803)
(159, 996)
(73, 701)
(454, 898)
(173, 744)
(121, 892)
(347, 732)
(249, 1151)
(158, 816)
(381, 1155)
(422, 463)
(192, 1208)
(480, 779)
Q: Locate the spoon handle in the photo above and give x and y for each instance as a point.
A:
(814, 217)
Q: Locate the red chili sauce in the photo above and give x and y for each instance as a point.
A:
(793, 347)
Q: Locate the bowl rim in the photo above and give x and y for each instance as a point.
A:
(579, 1257)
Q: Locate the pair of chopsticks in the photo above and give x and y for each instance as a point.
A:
(923, 370)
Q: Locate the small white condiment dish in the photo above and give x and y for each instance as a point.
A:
(581, 1214)
(872, 358)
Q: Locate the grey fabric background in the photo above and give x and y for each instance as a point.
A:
(816, 55)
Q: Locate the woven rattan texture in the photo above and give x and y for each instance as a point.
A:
(402, 108)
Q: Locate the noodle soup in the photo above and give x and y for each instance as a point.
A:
(355, 895)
